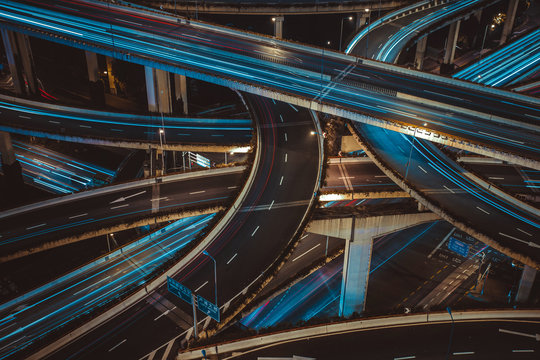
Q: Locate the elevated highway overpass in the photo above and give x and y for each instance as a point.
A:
(439, 109)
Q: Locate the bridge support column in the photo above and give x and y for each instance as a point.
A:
(278, 26)
(92, 66)
(509, 22)
(359, 234)
(94, 79)
(525, 284)
(361, 19)
(180, 87)
(110, 76)
(10, 166)
(21, 64)
(451, 42)
(158, 90)
(421, 46)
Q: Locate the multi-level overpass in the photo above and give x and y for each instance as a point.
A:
(383, 95)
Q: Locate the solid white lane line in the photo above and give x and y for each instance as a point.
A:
(119, 206)
(285, 136)
(405, 357)
(165, 313)
(285, 157)
(197, 192)
(447, 188)
(421, 168)
(129, 22)
(281, 181)
(270, 207)
(511, 237)
(117, 345)
(500, 137)
(200, 287)
(54, 122)
(231, 259)
(281, 117)
(463, 353)
(254, 231)
(479, 208)
(35, 226)
(523, 351)
(523, 231)
(299, 256)
(295, 109)
(76, 216)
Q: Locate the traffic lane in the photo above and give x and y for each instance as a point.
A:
(242, 249)
(485, 212)
(513, 178)
(380, 34)
(360, 176)
(105, 282)
(430, 341)
(31, 228)
(314, 90)
(125, 127)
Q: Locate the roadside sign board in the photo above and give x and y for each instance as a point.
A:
(208, 308)
(199, 159)
(179, 290)
(459, 247)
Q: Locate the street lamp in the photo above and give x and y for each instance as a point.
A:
(368, 25)
(215, 273)
(318, 133)
(451, 332)
(341, 31)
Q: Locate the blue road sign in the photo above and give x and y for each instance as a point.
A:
(459, 247)
(208, 308)
(179, 290)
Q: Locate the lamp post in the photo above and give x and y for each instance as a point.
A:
(451, 332)
(367, 37)
(215, 273)
(484, 39)
(341, 31)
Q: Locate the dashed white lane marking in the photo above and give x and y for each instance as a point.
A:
(117, 345)
(54, 122)
(421, 168)
(165, 313)
(523, 231)
(405, 357)
(254, 231)
(35, 226)
(463, 353)
(232, 187)
(286, 157)
(299, 256)
(200, 287)
(24, 117)
(484, 211)
(295, 109)
(129, 22)
(119, 206)
(447, 188)
(281, 117)
(523, 351)
(281, 181)
(270, 207)
(197, 192)
(76, 216)
(232, 258)
(85, 126)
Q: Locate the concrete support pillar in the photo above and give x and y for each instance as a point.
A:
(525, 284)
(6, 148)
(10, 167)
(21, 64)
(450, 50)
(361, 20)
(158, 90)
(509, 22)
(421, 46)
(478, 15)
(278, 26)
(92, 66)
(359, 234)
(110, 76)
(180, 87)
(10, 46)
(28, 63)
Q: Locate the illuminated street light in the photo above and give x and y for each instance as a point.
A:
(341, 31)
(215, 273)
(274, 19)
